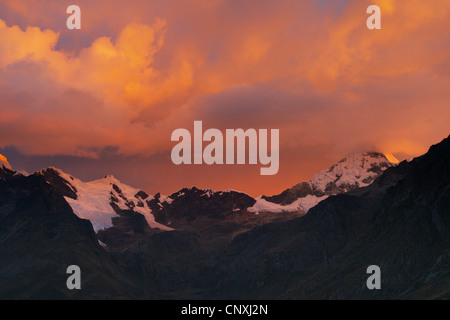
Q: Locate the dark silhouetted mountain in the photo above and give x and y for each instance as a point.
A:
(401, 223)
(211, 213)
(221, 250)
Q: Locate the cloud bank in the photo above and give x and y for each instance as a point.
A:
(141, 69)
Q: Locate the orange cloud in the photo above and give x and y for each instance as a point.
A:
(140, 69)
(31, 44)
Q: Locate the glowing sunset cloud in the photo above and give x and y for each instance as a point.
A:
(138, 70)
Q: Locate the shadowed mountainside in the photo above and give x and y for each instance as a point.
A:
(40, 237)
(401, 222)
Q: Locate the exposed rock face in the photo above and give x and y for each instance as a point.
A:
(215, 215)
(63, 186)
(189, 204)
(6, 173)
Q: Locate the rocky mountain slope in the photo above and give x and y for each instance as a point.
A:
(399, 222)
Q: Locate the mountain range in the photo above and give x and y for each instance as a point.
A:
(104, 199)
(313, 240)
(118, 212)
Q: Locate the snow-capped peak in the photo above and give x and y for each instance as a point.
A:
(4, 162)
(98, 200)
(391, 158)
(354, 171)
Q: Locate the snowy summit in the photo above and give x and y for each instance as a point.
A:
(4, 162)
(354, 171)
(100, 200)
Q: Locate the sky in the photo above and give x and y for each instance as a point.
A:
(105, 99)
